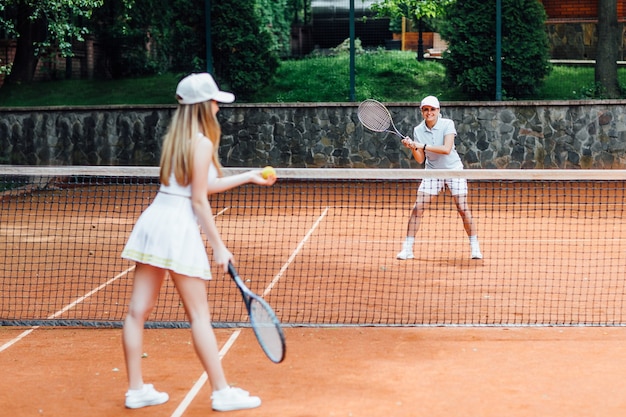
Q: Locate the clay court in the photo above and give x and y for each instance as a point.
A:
(548, 372)
(533, 329)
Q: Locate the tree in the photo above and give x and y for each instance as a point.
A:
(470, 30)
(608, 50)
(188, 36)
(276, 20)
(414, 10)
(300, 11)
(243, 56)
(40, 26)
(135, 36)
(151, 36)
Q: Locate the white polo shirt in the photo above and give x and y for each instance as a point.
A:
(434, 137)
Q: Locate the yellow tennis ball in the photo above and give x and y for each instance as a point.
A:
(268, 172)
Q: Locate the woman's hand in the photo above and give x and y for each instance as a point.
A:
(256, 177)
(411, 144)
(222, 257)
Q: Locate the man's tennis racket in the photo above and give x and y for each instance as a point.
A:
(264, 322)
(375, 116)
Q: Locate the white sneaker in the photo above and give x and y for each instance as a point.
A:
(230, 399)
(138, 398)
(476, 251)
(406, 253)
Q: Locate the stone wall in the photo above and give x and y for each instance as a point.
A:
(576, 134)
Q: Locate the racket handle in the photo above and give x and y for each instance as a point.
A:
(231, 269)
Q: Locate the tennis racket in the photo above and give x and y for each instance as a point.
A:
(375, 116)
(264, 322)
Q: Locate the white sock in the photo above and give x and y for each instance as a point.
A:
(224, 389)
(473, 239)
(408, 243)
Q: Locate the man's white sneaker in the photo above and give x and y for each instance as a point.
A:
(476, 254)
(230, 399)
(138, 398)
(405, 254)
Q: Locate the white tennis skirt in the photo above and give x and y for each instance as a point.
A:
(167, 235)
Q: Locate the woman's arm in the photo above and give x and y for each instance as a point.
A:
(232, 181)
(416, 148)
(446, 148)
(200, 202)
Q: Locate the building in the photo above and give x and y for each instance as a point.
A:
(572, 28)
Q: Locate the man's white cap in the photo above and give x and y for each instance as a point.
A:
(197, 88)
(430, 101)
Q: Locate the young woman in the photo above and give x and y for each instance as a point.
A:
(166, 240)
(434, 143)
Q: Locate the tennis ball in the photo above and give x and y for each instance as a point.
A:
(267, 172)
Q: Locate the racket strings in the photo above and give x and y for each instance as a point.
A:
(267, 331)
(374, 116)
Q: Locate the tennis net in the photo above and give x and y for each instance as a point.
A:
(321, 244)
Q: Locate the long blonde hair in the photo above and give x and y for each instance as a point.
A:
(188, 122)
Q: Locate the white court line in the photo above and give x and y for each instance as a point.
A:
(18, 338)
(295, 252)
(222, 211)
(66, 308)
(204, 377)
(182, 407)
(89, 294)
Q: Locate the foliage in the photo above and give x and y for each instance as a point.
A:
(188, 36)
(598, 91)
(418, 12)
(383, 75)
(275, 21)
(142, 37)
(243, 62)
(344, 48)
(60, 18)
(245, 51)
(41, 26)
(389, 76)
(300, 10)
(470, 28)
(135, 35)
(5, 68)
(158, 89)
(413, 10)
(7, 26)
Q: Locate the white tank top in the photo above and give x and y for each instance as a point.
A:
(185, 191)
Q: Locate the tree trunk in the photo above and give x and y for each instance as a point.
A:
(608, 49)
(29, 31)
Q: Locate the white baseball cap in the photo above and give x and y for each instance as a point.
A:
(430, 101)
(197, 88)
